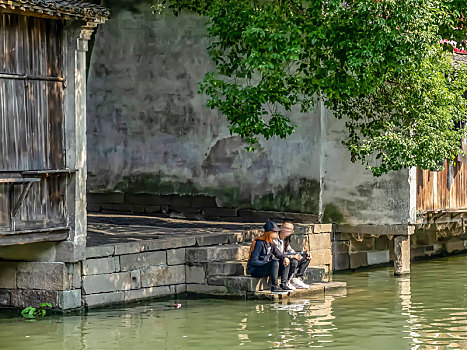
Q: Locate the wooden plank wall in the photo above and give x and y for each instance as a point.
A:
(31, 112)
(445, 189)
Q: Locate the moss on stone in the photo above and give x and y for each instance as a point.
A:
(332, 215)
(300, 196)
(297, 196)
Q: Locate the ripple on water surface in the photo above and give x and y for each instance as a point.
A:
(426, 310)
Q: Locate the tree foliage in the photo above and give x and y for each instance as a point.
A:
(379, 64)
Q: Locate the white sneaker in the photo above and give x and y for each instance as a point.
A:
(299, 284)
(290, 285)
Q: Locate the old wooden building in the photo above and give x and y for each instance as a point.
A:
(442, 195)
(43, 45)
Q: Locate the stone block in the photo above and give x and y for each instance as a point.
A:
(454, 246)
(314, 275)
(168, 243)
(22, 298)
(138, 209)
(5, 298)
(41, 275)
(106, 283)
(339, 236)
(69, 299)
(378, 257)
(220, 212)
(212, 239)
(236, 237)
(261, 215)
(178, 289)
(195, 274)
(161, 200)
(163, 275)
(93, 208)
(76, 279)
(99, 251)
(236, 284)
(153, 209)
(127, 248)
(301, 218)
(69, 252)
(321, 257)
(181, 201)
(125, 208)
(135, 276)
(322, 228)
(226, 268)
(103, 299)
(250, 236)
(299, 242)
(402, 255)
(425, 237)
(139, 260)
(367, 243)
(176, 256)
(141, 199)
(117, 263)
(359, 259)
(382, 243)
(200, 201)
(99, 266)
(205, 289)
(147, 293)
(340, 247)
(7, 275)
(109, 198)
(320, 241)
(341, 262)
(217, 253)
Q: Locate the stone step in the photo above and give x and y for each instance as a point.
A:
(228, 268)
(210, 239)
(334, 288)
(251, 284)
(229, 252)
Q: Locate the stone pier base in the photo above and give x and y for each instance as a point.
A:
(402, 255)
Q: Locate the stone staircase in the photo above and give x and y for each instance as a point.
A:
(220, 270)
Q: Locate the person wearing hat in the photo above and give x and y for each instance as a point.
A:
(266, 259)
(298, 262)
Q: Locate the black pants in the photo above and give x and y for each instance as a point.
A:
(272, 269)
(298, 267)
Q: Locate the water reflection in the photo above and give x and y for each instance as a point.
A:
(426, 310)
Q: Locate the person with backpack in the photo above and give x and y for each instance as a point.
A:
(266, 260)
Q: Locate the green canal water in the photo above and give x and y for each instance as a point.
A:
(427, 310)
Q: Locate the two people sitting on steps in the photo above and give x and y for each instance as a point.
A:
(271, 256)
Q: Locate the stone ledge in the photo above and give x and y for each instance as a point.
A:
(315, 288)
(206, 290)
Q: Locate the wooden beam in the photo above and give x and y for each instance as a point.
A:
(33, 236)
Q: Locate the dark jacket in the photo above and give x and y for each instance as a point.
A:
(262, 254)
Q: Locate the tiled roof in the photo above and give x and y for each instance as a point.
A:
(59, 8)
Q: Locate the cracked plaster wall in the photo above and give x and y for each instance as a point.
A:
(149, 130)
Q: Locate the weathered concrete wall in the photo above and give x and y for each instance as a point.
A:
(350, 193)
(150, 132)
